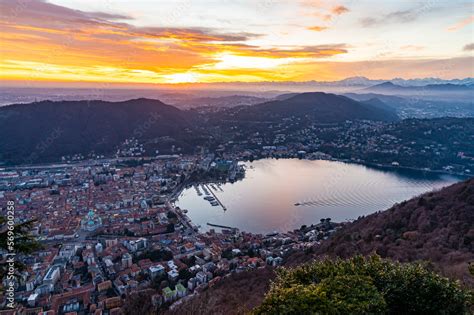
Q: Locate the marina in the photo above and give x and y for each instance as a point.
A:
(216, 200)
(209, 194)
(198, 191)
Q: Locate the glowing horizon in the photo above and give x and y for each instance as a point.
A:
(240, 41)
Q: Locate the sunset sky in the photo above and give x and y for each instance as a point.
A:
(144, 41)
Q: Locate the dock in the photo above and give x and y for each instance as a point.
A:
(222, 226)
(215, 197)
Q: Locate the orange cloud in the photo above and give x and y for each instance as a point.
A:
(461, 24)
(318, 51)
(323, 9)
(317, 28)
(412, 47)
(44, 41)
(340, 9)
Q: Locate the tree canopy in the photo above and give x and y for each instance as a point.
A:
(362, 285)
(25, 243)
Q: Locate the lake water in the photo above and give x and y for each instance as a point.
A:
(265, 200)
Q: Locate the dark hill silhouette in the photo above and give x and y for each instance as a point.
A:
(45, 131)
(386, 85)
(314, 106)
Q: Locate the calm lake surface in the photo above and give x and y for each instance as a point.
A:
(264, 201)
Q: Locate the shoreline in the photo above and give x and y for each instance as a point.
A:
(372, 165)
(408, 168)
(54, 165)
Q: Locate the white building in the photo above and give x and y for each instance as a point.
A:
(126, 260)
(173, 274)
(52, 276)
(156, 270)
(32, 299)
(201, 277)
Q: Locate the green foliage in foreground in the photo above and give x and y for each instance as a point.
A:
(24, 242)
(363, 286)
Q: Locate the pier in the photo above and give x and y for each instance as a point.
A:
(222, 226)
(215, 197)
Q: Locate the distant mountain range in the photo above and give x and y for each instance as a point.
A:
(445, 92)
(345, 85)
(222, 94)
(46, 131)
(442, 88)
(363, 81)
